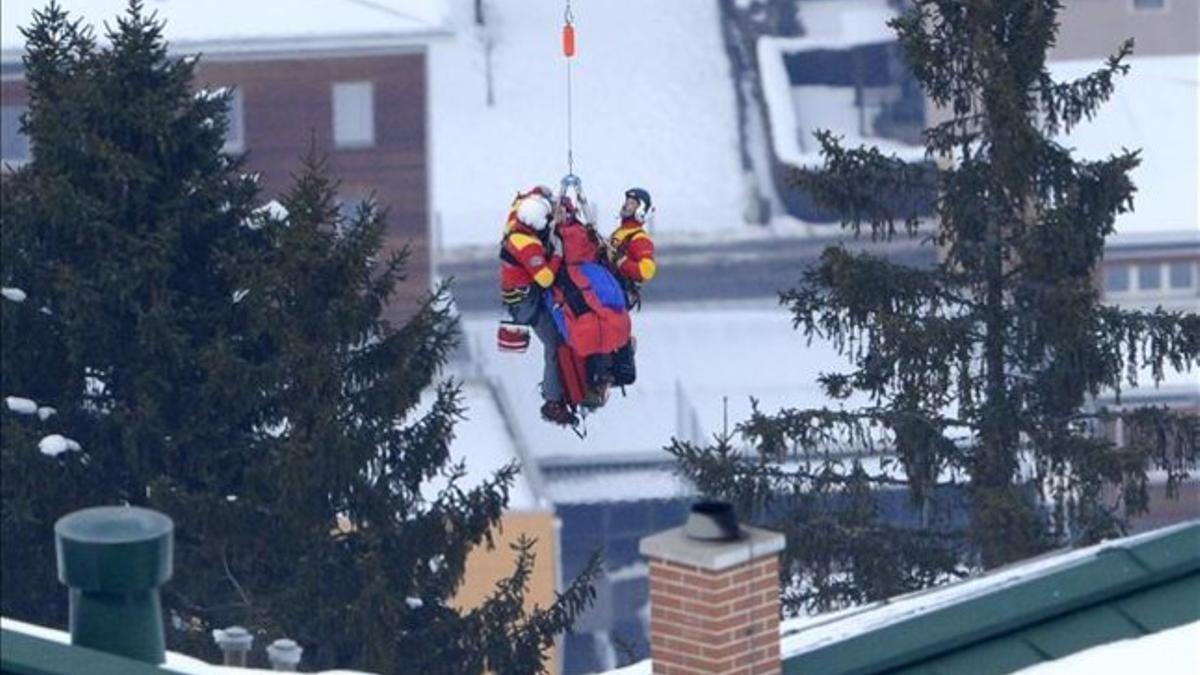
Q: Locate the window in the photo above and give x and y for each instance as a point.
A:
(235, 134)
(353, 114)
(1116, 278)
(1149, 5)
(14, 145)
(1151, 279)
(1181, 275)
(1149, 276)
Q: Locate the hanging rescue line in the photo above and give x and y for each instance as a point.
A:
(568, 43)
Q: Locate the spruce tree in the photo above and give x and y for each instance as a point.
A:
(230, 365)
(124, 232)
(983, 370)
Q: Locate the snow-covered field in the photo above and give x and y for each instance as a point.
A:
(654, 107)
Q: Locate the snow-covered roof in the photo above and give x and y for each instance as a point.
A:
(690, 362)
(176, 662)
(795, 113)
(627, 483)
(484, 443)
(1156, 107)
(808, 633)
(842, 24)
(1170, 652)
(216, 27)
(1178, 387)
(653, 107)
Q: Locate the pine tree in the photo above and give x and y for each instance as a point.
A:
(346, 487)
(230, 366)
(982, 370)
(125, 233)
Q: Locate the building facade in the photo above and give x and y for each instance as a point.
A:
(1094, 28)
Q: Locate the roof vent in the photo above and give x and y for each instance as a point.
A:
(114, 559)
(284, 654)
(235, 643)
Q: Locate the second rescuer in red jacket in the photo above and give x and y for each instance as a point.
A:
(631, 251)
(630, 246)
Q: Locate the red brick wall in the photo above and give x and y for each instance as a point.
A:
(288, 103)
(708, 622)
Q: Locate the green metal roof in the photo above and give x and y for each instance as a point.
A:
(22, 654)
(1125, 589)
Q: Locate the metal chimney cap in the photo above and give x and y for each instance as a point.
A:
(234, 637)
(712, 520)
(114, 549)
(284, 652)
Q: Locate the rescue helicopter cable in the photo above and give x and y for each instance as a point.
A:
(568, 45)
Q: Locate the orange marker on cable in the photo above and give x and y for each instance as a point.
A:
(568, 40)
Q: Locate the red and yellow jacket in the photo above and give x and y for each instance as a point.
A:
(633, 252)
(523, 258)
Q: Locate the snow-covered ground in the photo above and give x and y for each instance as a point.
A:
(654, 107)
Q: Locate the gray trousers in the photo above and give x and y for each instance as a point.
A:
(531, 312)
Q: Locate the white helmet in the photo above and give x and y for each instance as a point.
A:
(534, 210)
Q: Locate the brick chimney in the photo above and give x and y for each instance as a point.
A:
(714, 596)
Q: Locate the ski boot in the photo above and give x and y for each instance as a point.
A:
(560, 413)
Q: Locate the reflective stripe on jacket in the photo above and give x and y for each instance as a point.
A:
(633, 252)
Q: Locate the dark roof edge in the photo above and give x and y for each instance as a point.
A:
(30, 655)
(1111, 573)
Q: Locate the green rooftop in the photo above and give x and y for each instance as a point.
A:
(22, 654)
(1015, 617)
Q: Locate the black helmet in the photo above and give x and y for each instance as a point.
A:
(640, 195)
(644, 203)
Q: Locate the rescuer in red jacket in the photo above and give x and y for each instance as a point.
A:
(631, 251)
(630, 246)
(527, 268)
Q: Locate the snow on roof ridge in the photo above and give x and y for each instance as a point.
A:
(1053, 561)
(804, 634)
(176, 662)
(307, 26)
